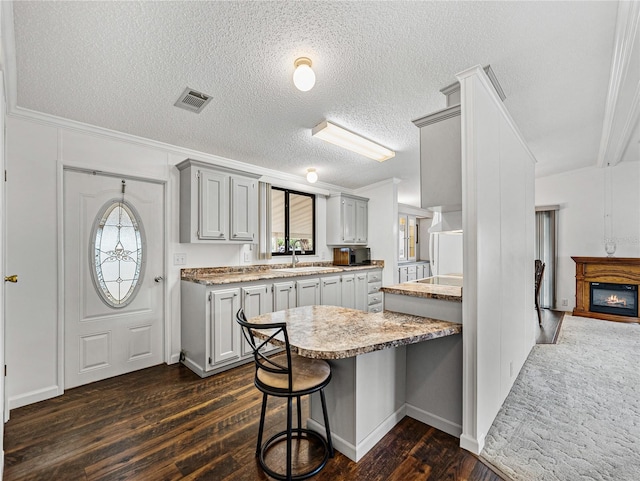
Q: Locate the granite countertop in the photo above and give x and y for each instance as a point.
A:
(428, 291)
(212, 276)
(329, 332)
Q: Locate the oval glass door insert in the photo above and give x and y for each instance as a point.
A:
(117, 253)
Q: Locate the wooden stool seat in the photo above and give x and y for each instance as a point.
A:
(306, 374)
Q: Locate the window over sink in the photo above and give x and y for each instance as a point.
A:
(293, 221)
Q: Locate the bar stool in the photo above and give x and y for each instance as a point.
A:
(296, 377)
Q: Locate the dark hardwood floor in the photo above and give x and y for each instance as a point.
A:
(165, 423)
(551, 325)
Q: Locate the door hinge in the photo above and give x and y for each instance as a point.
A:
(5, 175)
(210, 361)
(5, 370)
(210, 296)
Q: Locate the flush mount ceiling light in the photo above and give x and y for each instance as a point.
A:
(348, 140)
(312, 176)
(303, 77)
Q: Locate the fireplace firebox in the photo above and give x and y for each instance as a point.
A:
(617, 299)
(595, 296)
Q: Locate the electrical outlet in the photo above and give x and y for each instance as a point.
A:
(179, 259)
(247, 257)
(565, 302)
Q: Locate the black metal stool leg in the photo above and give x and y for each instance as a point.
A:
(299, 413)
(326, 422)
(261, 429)
(289, 434)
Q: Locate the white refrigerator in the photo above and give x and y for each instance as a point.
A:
(445, 253)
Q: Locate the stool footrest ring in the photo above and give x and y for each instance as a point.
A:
(296, 433)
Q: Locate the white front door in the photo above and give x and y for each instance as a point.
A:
(113, 269)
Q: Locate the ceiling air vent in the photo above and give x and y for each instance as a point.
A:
(192, 100)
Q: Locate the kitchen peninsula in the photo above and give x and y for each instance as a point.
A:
(367, 352)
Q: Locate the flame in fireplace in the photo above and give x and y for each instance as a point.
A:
(613, 300)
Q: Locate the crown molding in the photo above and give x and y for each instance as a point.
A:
(438, 116)
(479, 73)
(455, 87)
(613, 143)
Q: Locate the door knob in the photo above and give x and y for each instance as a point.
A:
(13, 278)
(159, 279)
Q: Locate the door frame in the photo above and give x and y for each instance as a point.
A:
(166, 327)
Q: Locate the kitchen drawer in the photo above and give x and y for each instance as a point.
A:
(374, 276)
(375, 298)
(374, 287)
(375, 308)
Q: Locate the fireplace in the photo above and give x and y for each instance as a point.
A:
(607, 288)
(616, 299)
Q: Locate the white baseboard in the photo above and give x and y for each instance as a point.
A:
(435, 421)
(472, 444)
(35, 396)
(174, 358)
(194, 367)
(355, 453)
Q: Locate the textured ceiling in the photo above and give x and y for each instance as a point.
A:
(122, 65)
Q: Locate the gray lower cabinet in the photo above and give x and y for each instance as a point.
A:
(347, 291)
(284, 295)
(361, 291)
(212, 340)
(374, 296)
(411, 272)
(308, 292)
(256, 300)
(224, 336)
(331, 291)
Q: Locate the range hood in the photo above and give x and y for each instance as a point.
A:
(450, 221)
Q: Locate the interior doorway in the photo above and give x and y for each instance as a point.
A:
(546, 251)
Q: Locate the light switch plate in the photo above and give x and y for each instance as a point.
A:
(179, 259)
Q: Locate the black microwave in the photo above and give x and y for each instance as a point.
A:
(351, 256)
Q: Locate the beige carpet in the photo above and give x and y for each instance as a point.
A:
(574, 411)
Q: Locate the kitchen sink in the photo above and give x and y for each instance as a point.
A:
(309, 269)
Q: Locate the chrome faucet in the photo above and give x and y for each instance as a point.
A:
(294, 259)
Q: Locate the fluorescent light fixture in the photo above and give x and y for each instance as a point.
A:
(348, 140)
(303, 76)
(312, 175)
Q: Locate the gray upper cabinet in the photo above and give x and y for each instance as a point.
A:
(441, 159)
(347, 220)
(441, 150)
(217, 204)
(244, 208)
(212, 196)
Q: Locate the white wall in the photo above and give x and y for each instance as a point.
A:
(36, 154)
(383, 225)
(583, 203)
(498, 223)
